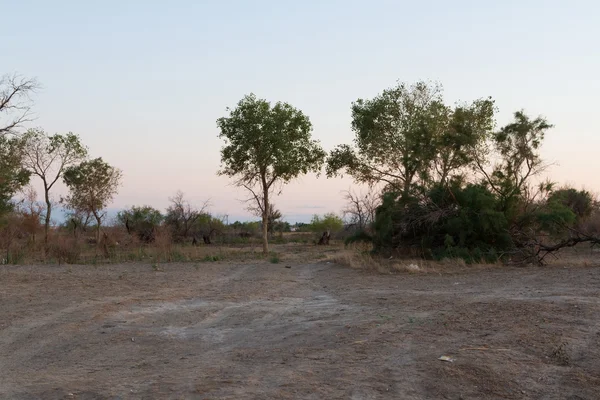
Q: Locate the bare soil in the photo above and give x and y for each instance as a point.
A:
(311, 331)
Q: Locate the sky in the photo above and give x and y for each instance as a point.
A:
(143, 82)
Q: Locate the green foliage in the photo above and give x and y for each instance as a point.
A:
(48, 157)
(13, 176)
(274, 258)
(454, 221)
(517, 146)
(264, 141)
(424, 151)
(328, 222)
(359, 236)
(580, 202)
(249, 228)
(92, 186)
(551, 218)
(267, 146)
(141, 220)
(140, 215)
(407, 137)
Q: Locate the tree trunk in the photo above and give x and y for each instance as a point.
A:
(265, 216)
(98, 220)
(48, 214)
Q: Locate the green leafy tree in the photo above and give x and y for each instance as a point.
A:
(207, 226)
(13, 176)
(47, 157)
(141, 221)
(329, 222)
(92, 186)
(516, 146)
(580, 202)
(407, 136)
(265, 147)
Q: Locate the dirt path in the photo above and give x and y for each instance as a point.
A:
(316, 331)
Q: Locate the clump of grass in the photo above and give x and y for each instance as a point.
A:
(560, 355)
(355, 259)
(274, 258)
(210, 258)
(178, 256)
(363, 259)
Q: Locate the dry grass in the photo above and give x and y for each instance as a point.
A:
(360, 257)
(115, 246)
(578, 256)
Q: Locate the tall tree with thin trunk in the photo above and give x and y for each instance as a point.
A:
(48, 156)
(265, 147)
(92, 186)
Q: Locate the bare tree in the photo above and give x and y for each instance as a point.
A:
(360, 208)
(78, 220)
(182, 216)
(15, 102)
(31, 211)
(48, 156)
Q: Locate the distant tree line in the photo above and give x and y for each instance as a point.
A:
(443, 181)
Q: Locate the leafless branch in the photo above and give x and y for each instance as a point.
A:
(15, 102)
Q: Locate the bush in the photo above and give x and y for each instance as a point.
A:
(141, 221)
(328, 222)
(210, 258)
(64, 250)
(455, 221)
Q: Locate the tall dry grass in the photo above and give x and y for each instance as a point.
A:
(360, 256)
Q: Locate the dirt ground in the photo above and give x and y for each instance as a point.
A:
(310, 331)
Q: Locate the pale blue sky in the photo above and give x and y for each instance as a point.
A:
(143, 82)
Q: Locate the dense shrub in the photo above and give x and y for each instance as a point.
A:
(141, 221)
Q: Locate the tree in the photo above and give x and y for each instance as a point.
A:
(360, 209)
(31, 212)
(12, 175)
(181, 215)
(266, 147)
(15, 102)
(407, 136)
(580, 202)
(47, 157)
(141, 221)
(516, 146)
(328, 222)
(92, 185)
(77, 220)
